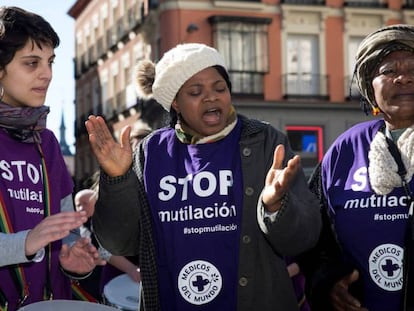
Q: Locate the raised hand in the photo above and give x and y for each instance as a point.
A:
(123, 264)
(341, 298)
(52, 228)
(278, 179)
(81, 258)
(114, 158)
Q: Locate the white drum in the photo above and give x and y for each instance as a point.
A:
(66, 305)
(122, 293)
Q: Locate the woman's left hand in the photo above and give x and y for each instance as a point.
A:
(135, 274)
(278, 179)
(81, 258)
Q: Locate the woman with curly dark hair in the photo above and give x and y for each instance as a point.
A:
(39, 254)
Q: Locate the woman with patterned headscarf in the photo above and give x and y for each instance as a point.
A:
(366, 188)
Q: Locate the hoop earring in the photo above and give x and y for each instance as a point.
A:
(375, 111)
(1, 92)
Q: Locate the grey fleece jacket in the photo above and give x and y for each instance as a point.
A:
(13, 245)
(263, 281)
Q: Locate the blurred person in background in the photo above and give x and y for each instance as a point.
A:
(85, 200)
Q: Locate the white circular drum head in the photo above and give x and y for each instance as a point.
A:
(65, 305)
(123, 293)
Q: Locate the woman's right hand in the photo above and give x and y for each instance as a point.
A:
(114, 158)
(52, 228)
(135, 274)
(279, 179)
(341, 299)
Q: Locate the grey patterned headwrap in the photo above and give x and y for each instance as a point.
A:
(374, 48)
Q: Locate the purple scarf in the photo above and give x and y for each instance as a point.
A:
(23, 123)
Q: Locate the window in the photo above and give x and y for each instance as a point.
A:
(87, 45)
(408, 4)
(79, 54)
(97, 51)
(246, 0)
(243, 43)
(129, 87)
(105, 27)
(104, 91)
(115, 85)
(365, 3)
(351, 89)
(306, 141)
(305, 2)
(96, 109)
(302, 66)
(153, 3)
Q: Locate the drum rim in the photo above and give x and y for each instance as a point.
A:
(79, 303)
(110, 301)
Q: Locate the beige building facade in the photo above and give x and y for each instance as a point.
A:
(290, 62)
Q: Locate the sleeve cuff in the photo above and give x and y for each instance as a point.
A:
(38, 257)
(273, 216)
(104, 254)
(114, 180)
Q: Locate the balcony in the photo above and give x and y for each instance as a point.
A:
(365, 3)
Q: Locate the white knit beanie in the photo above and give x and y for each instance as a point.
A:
(177, 66)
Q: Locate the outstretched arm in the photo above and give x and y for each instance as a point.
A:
(279, 179)
(52, 228)
(124, 265)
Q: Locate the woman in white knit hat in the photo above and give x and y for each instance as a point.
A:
(211, 204)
